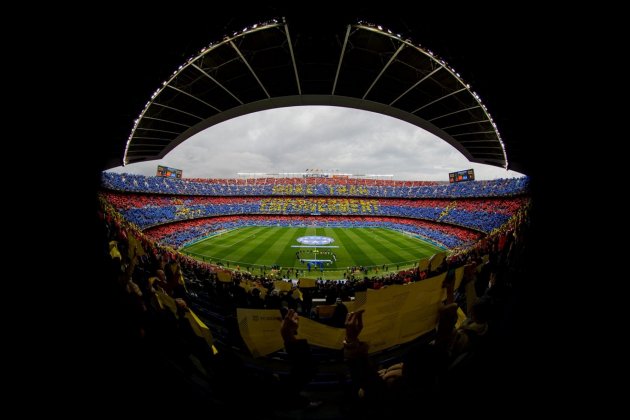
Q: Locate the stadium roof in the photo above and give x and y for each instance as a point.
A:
(280, 64)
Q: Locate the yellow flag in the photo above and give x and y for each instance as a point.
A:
(169, 302)
(297, 294)
(198, 326)
(304, 283)
(113, 250)
(260, 329)
(224, 276)
(282, 286)
(135, 247)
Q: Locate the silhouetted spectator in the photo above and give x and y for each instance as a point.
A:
(338, 318)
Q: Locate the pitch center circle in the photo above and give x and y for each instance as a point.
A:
(315, 240)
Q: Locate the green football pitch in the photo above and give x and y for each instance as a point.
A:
(258, 248)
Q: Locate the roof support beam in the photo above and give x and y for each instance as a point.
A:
(140, 143)
(147, 154)
(151, 138)
(466, 123)
(178, 110)
(391, 60)
(194, 97)
(414, 85)
(454, 112)
(474, 132)
(249, 67)
(343, 52)
(155, 129)
(487, 155)
(439, 99)
(479, 141)
(145, 149)
(297, 78)
(166, 121)
(202, 71)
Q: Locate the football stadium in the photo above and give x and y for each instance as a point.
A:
(320, 293)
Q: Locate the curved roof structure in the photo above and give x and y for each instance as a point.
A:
(275, 65)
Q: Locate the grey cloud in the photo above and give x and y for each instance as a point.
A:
(294, 139)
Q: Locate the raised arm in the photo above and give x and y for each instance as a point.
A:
(364, 375)
(302, 366)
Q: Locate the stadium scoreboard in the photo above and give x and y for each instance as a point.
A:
(460, 176)
(169, 172)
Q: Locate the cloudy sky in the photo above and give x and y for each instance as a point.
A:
(328, 138)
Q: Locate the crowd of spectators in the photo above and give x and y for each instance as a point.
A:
(344, 187)
(453, 355)
(355, 280)
(483, 214)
